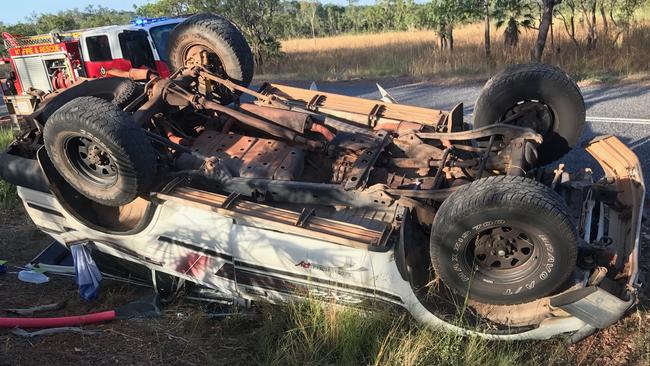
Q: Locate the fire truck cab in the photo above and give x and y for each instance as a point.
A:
(45, 63)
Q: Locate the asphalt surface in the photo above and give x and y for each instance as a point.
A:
(621, 110)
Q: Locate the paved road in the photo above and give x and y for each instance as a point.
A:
(622, 110)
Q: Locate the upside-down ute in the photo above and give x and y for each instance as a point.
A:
(205, 185)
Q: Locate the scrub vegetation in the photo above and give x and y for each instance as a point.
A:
(309, 39)
(417, 53)
(8, 198)
(311, 333)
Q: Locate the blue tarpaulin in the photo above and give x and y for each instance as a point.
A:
(87, 275)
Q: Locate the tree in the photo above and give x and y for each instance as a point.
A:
(444, 15)
(309, 10)
(514, 14)
(167, 8)
(256, 20)
(544, 25)
(588, 8)
(567, 12)
(486, 9)
(615, 15)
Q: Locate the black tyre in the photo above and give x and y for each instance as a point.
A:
(119, 91)
(503, 240)
(124, 93)
(228, 53)
(549, 101)
(100, 151)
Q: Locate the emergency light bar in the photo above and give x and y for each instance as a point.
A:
(143, 21)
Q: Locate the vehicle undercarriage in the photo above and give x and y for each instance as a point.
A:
(282, 192)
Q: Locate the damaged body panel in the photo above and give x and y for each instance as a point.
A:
(359, 202)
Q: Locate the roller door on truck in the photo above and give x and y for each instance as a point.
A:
(32, 73)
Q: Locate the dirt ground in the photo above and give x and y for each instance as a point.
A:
(185, 335)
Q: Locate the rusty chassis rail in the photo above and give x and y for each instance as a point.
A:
(287, 113)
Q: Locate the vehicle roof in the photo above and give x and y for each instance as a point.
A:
(117, 28)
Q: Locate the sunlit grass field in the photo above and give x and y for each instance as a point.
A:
(417, 53)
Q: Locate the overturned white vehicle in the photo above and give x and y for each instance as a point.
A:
(200, 184)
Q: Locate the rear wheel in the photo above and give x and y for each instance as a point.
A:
(216, 44)
(100, 151)
(538, 96)
(503, 240)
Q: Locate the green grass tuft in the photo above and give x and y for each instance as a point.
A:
(308, 332)
(8, 197)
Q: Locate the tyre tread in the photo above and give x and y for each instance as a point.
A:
(500, 192)
(135, 156)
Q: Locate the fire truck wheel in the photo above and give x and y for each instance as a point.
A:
(503, 240)
(216, 44)
(99, 151)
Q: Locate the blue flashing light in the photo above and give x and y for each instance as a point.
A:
(143, 21)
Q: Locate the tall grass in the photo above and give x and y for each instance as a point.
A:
(416, 53)
(311, 333)
(8, 196)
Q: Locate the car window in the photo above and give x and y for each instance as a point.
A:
(135, 48)
(160, 36)
(99, 49)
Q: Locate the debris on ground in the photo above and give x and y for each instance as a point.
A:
(87, 274)
(51, 331)
(36, 309)
(31, 276)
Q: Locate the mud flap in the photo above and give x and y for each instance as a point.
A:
(411, 254)
(593, 305)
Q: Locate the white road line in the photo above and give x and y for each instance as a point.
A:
(593, 119)
(632, 121)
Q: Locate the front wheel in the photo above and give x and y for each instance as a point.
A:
(100, 151)
(503, 240)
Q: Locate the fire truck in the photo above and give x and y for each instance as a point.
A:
(46, 63)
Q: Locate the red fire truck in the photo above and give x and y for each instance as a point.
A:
(46, 63)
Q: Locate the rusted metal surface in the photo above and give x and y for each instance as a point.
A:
(372, 111)
(236, 87)
(177, 96)
(252, 157)
(508, 131)
(399, 128)
(133, 74)
(358, 175)
(295, 121)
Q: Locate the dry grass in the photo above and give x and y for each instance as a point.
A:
(416, 53)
